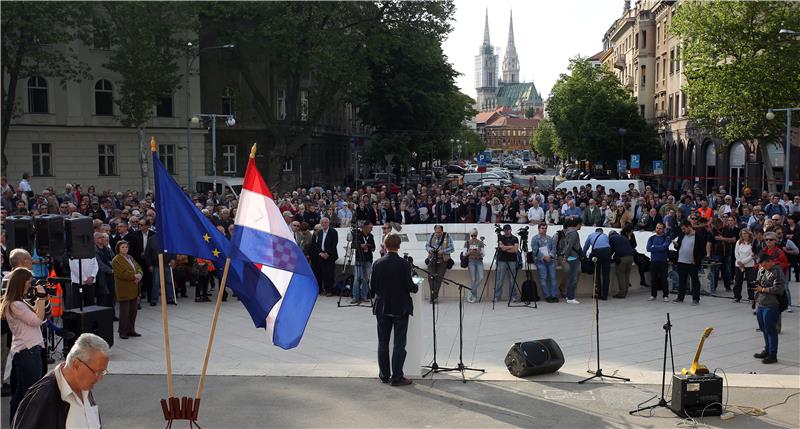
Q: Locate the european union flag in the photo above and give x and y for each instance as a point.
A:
(184, 230)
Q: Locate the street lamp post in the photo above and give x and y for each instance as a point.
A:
(787, 168)
(230, 121)
(191, 55)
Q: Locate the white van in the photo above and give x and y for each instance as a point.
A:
(225, 184)
(617, 185)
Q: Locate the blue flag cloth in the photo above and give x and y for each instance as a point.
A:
(184, 230)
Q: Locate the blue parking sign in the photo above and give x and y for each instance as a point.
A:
(635, 158)
(622, 166)
(481, 159)
(658, 167)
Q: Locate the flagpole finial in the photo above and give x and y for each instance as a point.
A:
(152, 143)
(253, 151)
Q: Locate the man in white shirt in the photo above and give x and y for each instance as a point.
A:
(535, 213)
(25, 185)
(83, 273)
(63, 397)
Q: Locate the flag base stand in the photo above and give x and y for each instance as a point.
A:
(184, 408)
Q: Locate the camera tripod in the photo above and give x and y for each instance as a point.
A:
(514, 285)
(350, 254)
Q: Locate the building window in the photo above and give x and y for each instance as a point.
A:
(37, 95)
(288, 165)
(164, 107)
(678, 59)
(101, 39)
(280, 104)
(227, 101)
(641, 110)
(636, 41)
(166, 153)
(658, 33)
(671, 101)
(644, 39)
(303, 104)
(672, 61)
(657, 70)
(644, 75)
(229, 159)
(664, 69)
(103, 98)
(683, 102)
(41, 159)
(677, 104)
(107, 160)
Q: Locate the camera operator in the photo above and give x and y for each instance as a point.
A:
(770, 283)
(439, 247)
(24, 321)
(507, 248)
(364, 244)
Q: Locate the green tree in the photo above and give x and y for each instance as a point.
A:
(337, 50)
(737, 66)
(545, 140)
(588, 107)
(147, 38)
(36, 41)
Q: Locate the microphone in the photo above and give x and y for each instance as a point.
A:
(594, 259)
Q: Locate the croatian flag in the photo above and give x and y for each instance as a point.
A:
(262, 237)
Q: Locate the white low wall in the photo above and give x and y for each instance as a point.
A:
(414, 238)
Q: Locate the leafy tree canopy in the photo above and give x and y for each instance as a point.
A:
(737, 65)
(589, 106)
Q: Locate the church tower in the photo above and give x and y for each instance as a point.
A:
(510, 60)
(486, 71)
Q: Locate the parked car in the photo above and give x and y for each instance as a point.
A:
(455, 168)
(533, 168)
(224, 184)
(476, 179)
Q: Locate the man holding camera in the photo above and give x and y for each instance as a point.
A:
(507, 248)
(770, 285)
(364, 244)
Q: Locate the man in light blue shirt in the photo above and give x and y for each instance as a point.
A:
(601, 249)
(544, 250)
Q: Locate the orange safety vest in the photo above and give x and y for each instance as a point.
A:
(56, 302)
(705, 213)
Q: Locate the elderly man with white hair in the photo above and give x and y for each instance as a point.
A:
(63, 398)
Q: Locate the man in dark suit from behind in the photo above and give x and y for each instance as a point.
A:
(326, 246)
(139, 241)
(392, 285)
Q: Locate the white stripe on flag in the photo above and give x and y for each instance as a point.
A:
(281, 280)
(259, 212)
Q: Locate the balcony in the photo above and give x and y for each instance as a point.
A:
(619, 62)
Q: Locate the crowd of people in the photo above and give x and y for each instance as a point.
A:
(738, 241)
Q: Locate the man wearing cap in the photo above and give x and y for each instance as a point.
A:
(507, 248)
(770, 284)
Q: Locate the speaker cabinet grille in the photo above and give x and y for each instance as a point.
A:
(534, 358)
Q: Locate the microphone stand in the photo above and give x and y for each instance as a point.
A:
(599, 372)
(661, 402)
(435, 368)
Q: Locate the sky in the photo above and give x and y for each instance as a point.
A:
(547, 33)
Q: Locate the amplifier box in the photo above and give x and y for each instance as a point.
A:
(697, 395)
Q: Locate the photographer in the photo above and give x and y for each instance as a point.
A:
(507, 248)
(439, 247)
(24, 321)
(364, 244)
(770, 283)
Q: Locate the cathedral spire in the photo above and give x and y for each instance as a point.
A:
(486, 30)
(510, 59)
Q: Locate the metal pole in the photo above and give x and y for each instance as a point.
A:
(214, 149)
(787, 160)
(188, 120)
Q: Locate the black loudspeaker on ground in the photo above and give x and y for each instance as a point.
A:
(94, 319)
(534, 358)
(80, 237)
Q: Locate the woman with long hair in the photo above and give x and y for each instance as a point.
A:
(24, 321)
(745, 265)
(127, 276)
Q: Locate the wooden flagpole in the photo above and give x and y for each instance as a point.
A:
(214, 319)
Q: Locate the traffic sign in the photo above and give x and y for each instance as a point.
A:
(635, 158)
(481, 159)
(658, 167)
(622, 166)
